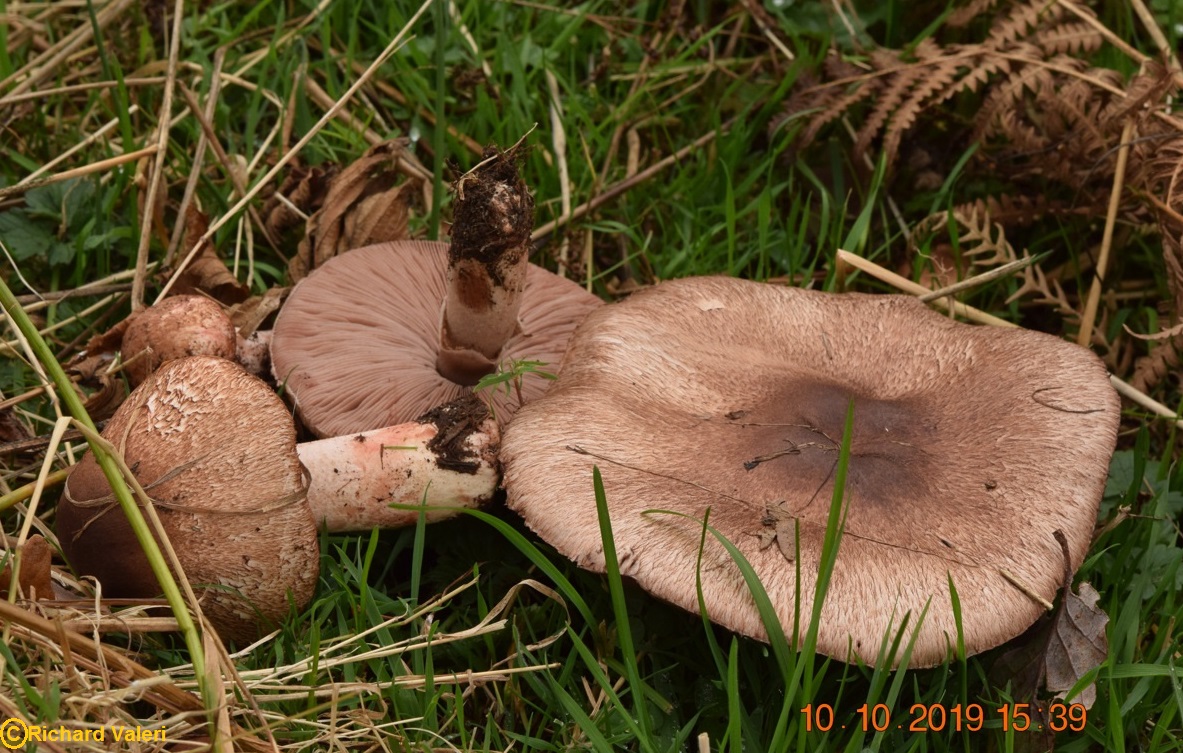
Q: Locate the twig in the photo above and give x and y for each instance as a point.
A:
(94, 167)
(1085, 336)
(140, 281)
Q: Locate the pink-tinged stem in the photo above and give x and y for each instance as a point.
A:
(355, 479)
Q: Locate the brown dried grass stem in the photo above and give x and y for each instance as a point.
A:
(122, 671)
(228, 165)
(1089, 317)
(283, 161)
(94, 167)
(972, 282)
(140, 281)
(542, 233)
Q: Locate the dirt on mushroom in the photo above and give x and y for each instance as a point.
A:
(455, 423)
(494, 216)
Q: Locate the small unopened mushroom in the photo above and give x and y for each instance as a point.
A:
(189, 325)
(973, 451)
(183, 325)
(381, 334)
(215, 450)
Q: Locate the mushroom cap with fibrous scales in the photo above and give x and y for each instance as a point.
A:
(215, 450)
(179, 326)
(973, 449)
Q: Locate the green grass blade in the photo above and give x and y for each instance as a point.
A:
(540, 560)
(624, 633)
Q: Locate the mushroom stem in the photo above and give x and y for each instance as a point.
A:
(446, 460)
(487, 262)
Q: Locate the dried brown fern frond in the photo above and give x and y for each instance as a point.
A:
(1077, 38)
(966, 14)
(981, 241)
(981, 228)
(1028, 48)
(1024, 20)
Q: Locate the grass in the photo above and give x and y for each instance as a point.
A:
(473, 634)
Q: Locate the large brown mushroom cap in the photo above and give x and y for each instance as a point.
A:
(357, 343)
(971, 447)
(215, 449)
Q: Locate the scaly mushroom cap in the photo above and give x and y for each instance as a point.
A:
(184, 325)
(357, 342)
(215, 449)
(971, 447)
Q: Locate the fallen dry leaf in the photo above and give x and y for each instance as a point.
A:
(1077, 644)
(11, 428)
(365, 204)
(250, 314)
(207, 273)
(304, 188)
(102, 403)
(35, 583)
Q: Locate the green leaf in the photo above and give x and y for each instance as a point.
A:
(23, 237)
(61, 254)
(66, 202)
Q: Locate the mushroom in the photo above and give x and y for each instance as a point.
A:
(972, 450)
(381, 334)
(188, 325)
(183, 325)
(215, 449)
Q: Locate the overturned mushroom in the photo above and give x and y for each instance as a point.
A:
(381, 334)
(971, 449)
(215, 450)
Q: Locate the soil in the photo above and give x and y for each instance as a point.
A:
(455, 422)
(494, 214)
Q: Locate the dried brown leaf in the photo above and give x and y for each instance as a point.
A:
(364, 205)
(206, 274)
(249, 315)
(305, 189)
(102, 403)
(35, 583)
(1077, 644)
(12, 428)
(99, 352)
